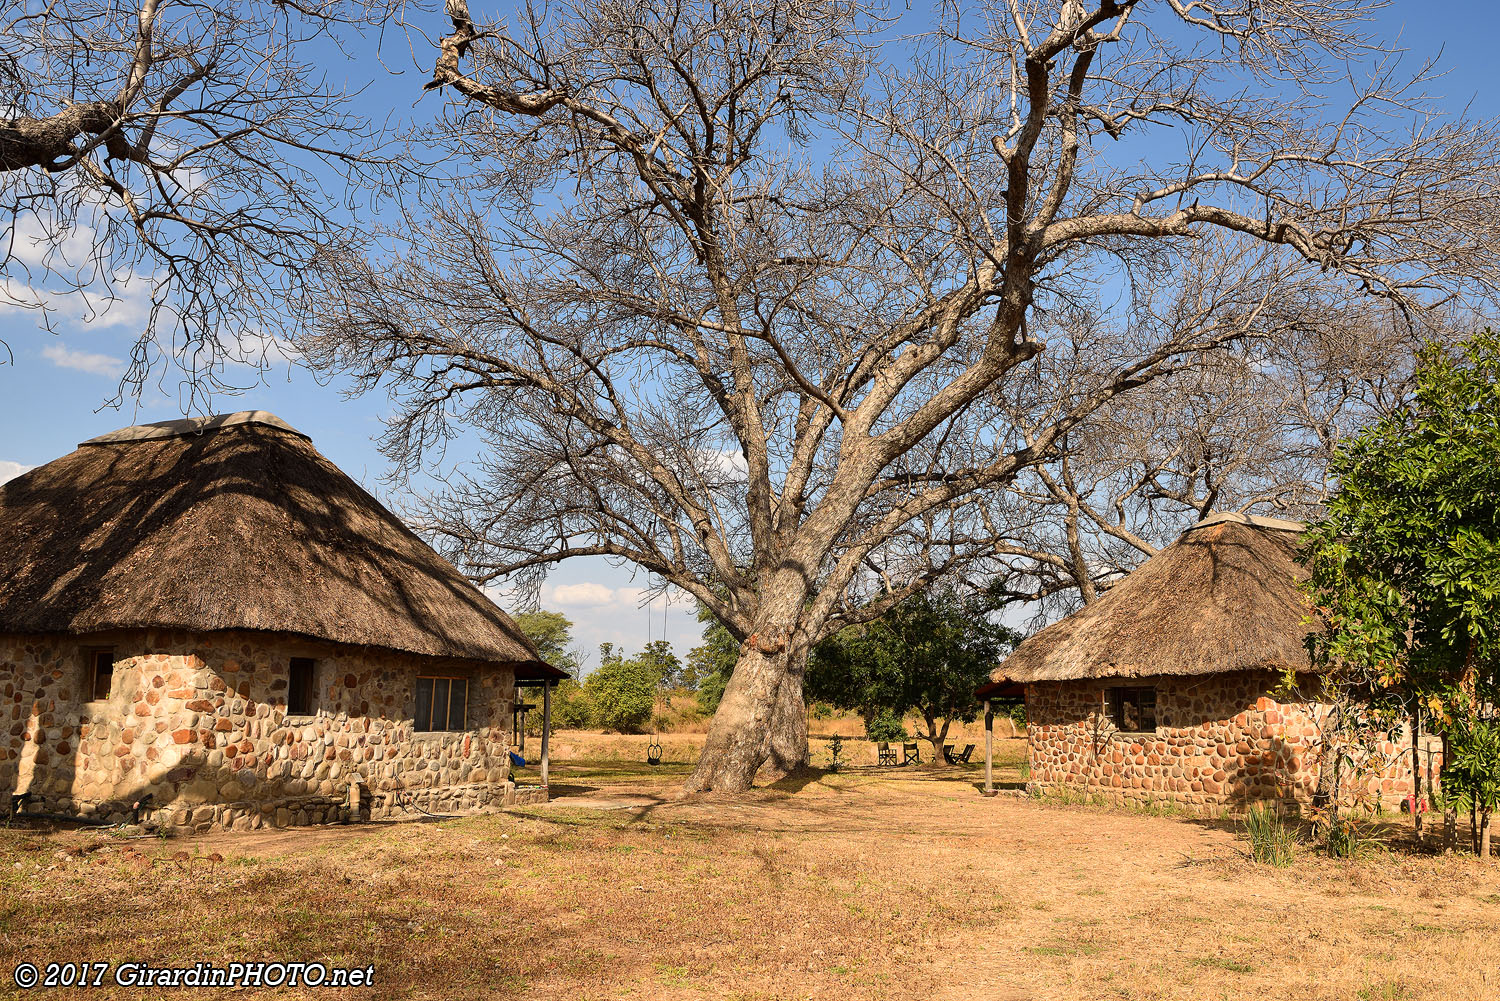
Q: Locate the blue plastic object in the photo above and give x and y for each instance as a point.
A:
(517, 760)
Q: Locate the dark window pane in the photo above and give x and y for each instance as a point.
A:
(103, 672)
(1148, 708)
(424, 704)
(458, 704)
(440, 692)
(1132, 710)
(299, 689)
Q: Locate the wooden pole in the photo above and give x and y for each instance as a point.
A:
(546, 726)
(989, 750)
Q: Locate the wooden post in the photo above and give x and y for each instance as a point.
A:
(989, 750)
(546, 726)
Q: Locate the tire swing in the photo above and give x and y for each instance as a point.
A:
(654, 749)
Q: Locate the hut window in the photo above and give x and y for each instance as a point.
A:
(442, 703)
(299, 687)
(1132, 709)
(101, 671)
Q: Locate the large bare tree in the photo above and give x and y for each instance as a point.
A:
(190, 156)
(1252, 431)
(763, 300)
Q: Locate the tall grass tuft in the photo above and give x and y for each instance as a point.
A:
(1271, 840)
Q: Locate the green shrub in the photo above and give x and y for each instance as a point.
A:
(887, 726)
(1471, 772)
(570, 706)
(711, 692)
(622, 695)
(835, 749)
(1342, 838)
(1271, 840)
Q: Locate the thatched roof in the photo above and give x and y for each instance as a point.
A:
(1223, 597)
(232, 522)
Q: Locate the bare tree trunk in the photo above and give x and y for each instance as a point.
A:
(1484, 835)
(786, 740)
(762, 719)
(937, 737)
(738, 742)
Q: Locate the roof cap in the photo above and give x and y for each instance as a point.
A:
(187, 427)
(1234, 517)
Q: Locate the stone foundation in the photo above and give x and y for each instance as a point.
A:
(1221, 741)
(196, 730)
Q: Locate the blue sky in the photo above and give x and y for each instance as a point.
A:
(54, 395)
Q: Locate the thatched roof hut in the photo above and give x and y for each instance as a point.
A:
(232, 522)
(1223, 597)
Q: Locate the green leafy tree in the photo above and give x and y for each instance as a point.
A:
(927, 655)
(552, 635)
(886, 725)
(659, 659)
(621, 693)
(1405, 568)
(712, 661)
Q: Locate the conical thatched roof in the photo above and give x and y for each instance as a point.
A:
(232, 522)
(1223, 597)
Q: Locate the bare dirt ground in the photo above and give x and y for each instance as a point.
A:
(866, 884)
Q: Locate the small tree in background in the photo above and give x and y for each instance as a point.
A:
(1405, 568)
(927, 655)
(621, 693)
(658, 658)
(552, 635)
(712, 661)
(886, 725)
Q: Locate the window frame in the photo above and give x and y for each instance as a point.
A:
(311, 706)
(449, 679)
(1117, 696)
(91, 655)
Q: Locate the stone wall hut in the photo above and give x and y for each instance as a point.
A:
(1163, 689)
(208, 618)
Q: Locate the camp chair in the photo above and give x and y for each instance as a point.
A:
(883, 753)
(910, 755)
(957, 759)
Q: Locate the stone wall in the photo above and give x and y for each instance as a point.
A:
(197, 722)
(1221, 740)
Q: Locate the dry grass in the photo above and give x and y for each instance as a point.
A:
(861, 885)
(683, 742)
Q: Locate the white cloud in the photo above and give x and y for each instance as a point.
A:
(84, 361)
(731, 462)
(126, 302)
(584, 595)
(46, 244)
(10, 470)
